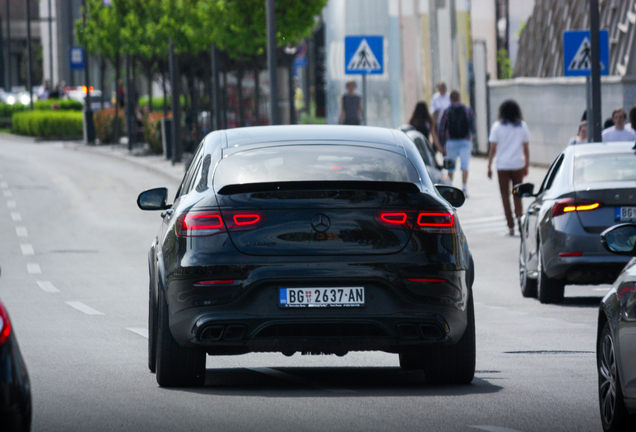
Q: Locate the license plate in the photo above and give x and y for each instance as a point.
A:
(625, 214)
(321, 297)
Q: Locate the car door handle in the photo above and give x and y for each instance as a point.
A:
(167, 213)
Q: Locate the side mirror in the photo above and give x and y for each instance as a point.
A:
(454, 196)
(449, 164)
(153, 199)
(620, 239)
(523, 190)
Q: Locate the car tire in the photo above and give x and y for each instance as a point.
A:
(152, 329)
(177, 366)
(453, 364)
(527, 284)
(614, 414)
(548, 290)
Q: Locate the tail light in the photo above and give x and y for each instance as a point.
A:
(207, 223)
(5, 325)
(428, 221)
(567, 205)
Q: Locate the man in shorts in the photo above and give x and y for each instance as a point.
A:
(456, 125)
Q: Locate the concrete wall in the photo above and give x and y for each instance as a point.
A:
(552, 107)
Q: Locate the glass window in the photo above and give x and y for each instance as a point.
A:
(608, 167)
(550, 176)
(314, 163)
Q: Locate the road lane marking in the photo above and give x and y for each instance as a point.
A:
(7, 193)
(12, 204)
(34, 268)
(27, 249)
(494, 428)
(47, 286)
(21, 231)
(83, 308)
(297, 380)
(17, 217)
(139, 330)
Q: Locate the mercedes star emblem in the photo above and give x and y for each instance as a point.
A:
(320, 223)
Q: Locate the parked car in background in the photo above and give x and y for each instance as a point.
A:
(15, 388)
(587, 189)
(310, 239)
(436, 171)
(616, 339)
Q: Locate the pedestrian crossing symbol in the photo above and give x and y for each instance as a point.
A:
(364, 55)
(577, 53)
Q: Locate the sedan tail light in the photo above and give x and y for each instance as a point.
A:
(567, 205)
(207, 223)
(5, 325)
(429, 221)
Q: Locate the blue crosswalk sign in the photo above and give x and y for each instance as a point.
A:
(364, 55)
(577, 53)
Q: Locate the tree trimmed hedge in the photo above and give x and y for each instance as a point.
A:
(48, 123)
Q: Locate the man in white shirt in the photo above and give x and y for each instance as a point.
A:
(618, 132)
(441, 101)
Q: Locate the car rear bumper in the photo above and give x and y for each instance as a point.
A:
(587, 269)
(393, 318)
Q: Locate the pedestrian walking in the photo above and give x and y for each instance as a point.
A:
(632, 119)
(581, 135)
(422, 121)
(455, 128)
(441, 101)
(618, 132)
(509, 142)
(351, 106)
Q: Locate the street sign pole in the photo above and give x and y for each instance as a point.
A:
(364, 99)
(272, 63)
(29, 58)
(364, 55)
(588, 99)
(596, 71)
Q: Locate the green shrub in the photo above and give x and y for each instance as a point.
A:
(157, 103)
(48, 124)
(61, 104)
(7, 110)
(152, 131)
(105, 125)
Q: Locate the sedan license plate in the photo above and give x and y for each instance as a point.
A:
(321, 297)
(625, 214)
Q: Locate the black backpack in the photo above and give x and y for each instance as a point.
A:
(458, 122)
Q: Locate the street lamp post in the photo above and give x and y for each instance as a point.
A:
(272, 62)
(8, 47)
(89, 125)
(29, 59)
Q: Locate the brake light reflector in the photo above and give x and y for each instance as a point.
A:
(207, 223)
(570, 254)
(567, 205)
(435, 219)
(244, 219)
(215, 282)
(426, 280)
(5, 325)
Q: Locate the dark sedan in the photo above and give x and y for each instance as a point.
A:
(15, 389)
(311, 239)
(588, 188)
(616, 342)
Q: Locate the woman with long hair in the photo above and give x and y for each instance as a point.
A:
(509, 141)
(422, 121)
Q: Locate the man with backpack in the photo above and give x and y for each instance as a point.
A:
(456, 125)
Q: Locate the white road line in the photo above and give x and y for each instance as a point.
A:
(17, 217)
(27, 249)
(7, 193)
(21, 231)
(297, 380)
(494, 428)
(12, 204)
(83, 308)
(47, 286)
(4, 185)
(34, 268)
(139, 330)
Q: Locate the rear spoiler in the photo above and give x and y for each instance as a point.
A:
(381, 186)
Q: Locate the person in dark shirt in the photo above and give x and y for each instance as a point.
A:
(422, 121)
(351, 106)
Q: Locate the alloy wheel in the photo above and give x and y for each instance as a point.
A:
(607, 378)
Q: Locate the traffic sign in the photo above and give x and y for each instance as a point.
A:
(364, 55)
(577, 53)
(76, 57)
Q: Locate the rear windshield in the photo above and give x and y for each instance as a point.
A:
(314, 163)
(610, 167)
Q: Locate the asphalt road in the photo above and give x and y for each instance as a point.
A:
(74, 279)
